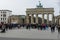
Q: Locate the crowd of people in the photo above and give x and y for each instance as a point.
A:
(5, 27)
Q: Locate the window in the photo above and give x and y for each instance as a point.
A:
(1, 15)
(1, 11)
(4, 12)
(5, 18)
(4, 15)
(1, 18)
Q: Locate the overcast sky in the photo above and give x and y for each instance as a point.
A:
(18, 7)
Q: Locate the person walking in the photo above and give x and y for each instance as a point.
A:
(58, 29)
(3, 28)
(52, 28)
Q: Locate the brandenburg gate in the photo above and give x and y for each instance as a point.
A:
(37, 11)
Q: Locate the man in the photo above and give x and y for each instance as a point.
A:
(52, 28)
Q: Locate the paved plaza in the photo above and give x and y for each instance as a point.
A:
(29, 34)
(24, 39)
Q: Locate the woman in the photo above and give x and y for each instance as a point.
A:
(3, 28)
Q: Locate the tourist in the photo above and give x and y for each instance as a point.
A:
(28, 26)
(52, 28)
(39, 26)
(58, 29)
(3, 28)
(19, 26)
(46, 27)
(43, 26)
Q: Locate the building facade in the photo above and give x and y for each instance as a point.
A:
(57, 20)
(17, 19)
(4, 15)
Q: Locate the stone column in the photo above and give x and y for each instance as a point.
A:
(57, 21)
(42, 18)
(53, 19)
(47, 18)
(36, 18)
(32, 21)
(27, 18)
